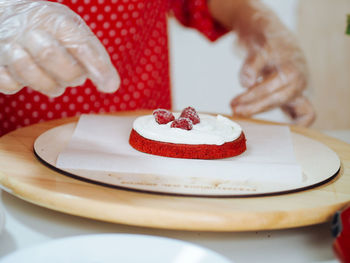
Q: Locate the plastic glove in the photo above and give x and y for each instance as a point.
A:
(275, 72)
(48, 47)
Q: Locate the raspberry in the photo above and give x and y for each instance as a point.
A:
(190, 113)
(182, 123)
(163, 116)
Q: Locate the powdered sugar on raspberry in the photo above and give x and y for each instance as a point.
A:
(182, 123)
(187, 119)
(163, 116)
(190, 113)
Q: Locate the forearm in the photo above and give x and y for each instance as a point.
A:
(248, 18)
(226, 11)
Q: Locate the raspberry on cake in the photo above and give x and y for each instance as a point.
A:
(182, 123)
(163, 116)
(190, 113)
(187, 135)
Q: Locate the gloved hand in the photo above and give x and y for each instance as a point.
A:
(275, 72)
(48, 47)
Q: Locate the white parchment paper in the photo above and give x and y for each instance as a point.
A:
(100, 143)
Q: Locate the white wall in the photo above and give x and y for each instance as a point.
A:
(204, 74)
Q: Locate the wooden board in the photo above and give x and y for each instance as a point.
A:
(25, 177)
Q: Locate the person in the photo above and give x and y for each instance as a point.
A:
(72, 57)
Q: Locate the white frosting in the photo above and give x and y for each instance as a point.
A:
(215, 130)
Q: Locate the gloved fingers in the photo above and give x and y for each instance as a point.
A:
(65, 55)
(99, 68)
(300, 111)
(53, 58)
(89, 51)
(26, 72)
(270, 84)
(274, 78)
(265, 103)
(251, 69)
(8, 85)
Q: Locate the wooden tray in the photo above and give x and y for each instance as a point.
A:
(25, 177)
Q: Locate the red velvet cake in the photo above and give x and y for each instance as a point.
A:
(187, 135)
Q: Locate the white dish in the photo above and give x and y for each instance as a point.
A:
(115, 248)
(2, 217)
(318, 162)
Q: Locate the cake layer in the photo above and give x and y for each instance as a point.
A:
(188, 151)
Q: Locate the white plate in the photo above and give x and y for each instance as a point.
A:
(2, 216)
(108, 248)
(318, 162)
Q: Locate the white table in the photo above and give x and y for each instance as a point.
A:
(28, 225)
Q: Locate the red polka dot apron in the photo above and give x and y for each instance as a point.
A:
(134, 33)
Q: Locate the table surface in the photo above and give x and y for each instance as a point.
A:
(27, 225)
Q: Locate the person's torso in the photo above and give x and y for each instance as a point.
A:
(134, 33)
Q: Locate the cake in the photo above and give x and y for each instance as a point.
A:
(187, 135)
